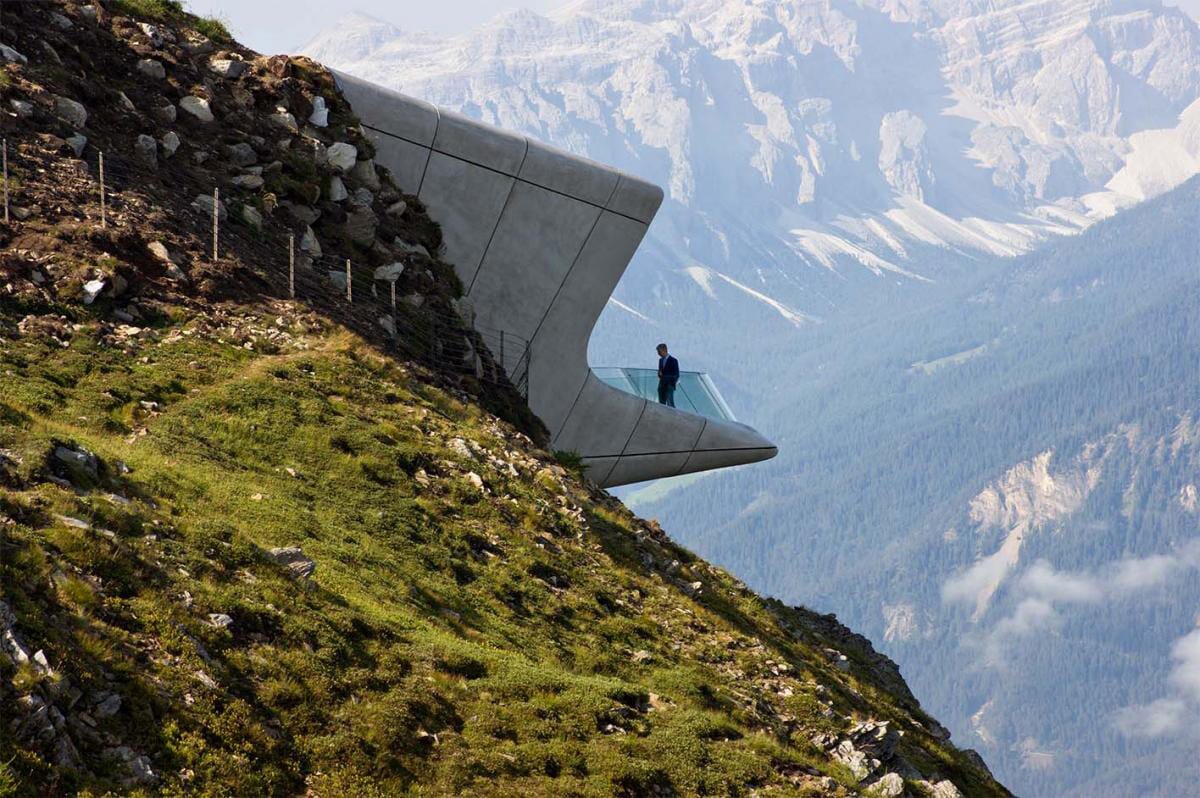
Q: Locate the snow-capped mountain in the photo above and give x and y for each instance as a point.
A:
(798, 137)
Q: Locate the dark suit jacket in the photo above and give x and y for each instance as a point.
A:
(668, 370)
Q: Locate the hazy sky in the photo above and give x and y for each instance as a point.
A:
(276, 26)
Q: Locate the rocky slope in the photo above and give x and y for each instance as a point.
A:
(253, 545)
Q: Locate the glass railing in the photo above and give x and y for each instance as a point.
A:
(694, 393)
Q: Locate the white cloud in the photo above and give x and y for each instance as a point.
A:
(1171, 713)
(1041, 594)
(966, 586)
(1163, 716)
(1043, 581)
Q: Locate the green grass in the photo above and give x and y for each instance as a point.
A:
(172, 11)
(453, 641)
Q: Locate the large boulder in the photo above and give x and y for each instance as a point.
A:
(227, 67)
(151, 68)
(198, 107)
(361, 225)
(342, 156)
(82, 467)
(70, 110)
(145, 149)
(204, 204)
(364, 173)
(292, 558)
(241, 154)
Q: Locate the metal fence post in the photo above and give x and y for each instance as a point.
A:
(216, 221)
(6, 181)
(103, 199)
(395, 332)
(291, 265)
(349, 283)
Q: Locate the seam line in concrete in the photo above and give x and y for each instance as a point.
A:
(567, 417)
(506, 174)
(680, 451)
(689, 457)
(437, 125)
(575, 260)
(511, 190)
(636, 424)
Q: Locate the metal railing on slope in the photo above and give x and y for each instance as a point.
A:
(111, 188)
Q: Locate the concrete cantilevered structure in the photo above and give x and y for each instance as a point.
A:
(540, 238)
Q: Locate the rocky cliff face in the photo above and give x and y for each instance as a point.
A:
(254, 545)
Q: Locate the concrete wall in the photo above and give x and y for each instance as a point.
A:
(540, 238)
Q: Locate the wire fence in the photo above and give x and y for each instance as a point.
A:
(115, 192)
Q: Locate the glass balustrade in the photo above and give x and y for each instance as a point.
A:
(694, 393)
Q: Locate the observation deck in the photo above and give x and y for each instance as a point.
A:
(539, 238)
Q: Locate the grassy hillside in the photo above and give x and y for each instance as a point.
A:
(255, 546)
(478, 620)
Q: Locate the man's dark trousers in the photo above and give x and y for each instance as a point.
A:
(666, 392)
(668, 375)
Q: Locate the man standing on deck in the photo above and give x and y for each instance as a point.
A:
(668, 375)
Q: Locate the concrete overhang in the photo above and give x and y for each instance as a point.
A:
(540, 238)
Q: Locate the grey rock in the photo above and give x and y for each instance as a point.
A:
(198, 44)
(364, 173)
(107, 706)
(145, 149)
(303, 213)
(337, 189)
(248, 182)
(241, 154)
(61, 22)
(942, 789)
(397, 208)
(252, 217)
(388, 325)
(320, 113)
(409, 249)
(413, 300)
(70, 110)
(78, 461)
(197, 107)
(170, 143)
(127, 104)
(77, 143)
(92, 289)
(151, 68)
(309, 242)
(284, 119)
(342, 156)
(292, 558)
(220, 620)
(338, 278)
(204, 204)
(361, 226)
(21, 108)
(389, 273)
(227, 67)
(11, 56)
(176, 273)
(363, 197)
(890, 785)
(165, 114)
(66, 755)
(153, 33)
(159, 250)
